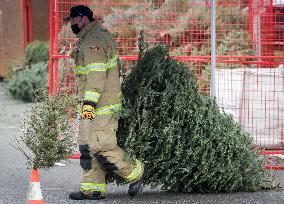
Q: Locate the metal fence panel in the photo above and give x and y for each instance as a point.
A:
(249, 76)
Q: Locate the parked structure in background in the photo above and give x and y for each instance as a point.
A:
(21, 22)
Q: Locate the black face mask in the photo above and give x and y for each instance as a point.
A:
(75, 29)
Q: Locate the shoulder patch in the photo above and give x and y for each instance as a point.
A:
(94, 48)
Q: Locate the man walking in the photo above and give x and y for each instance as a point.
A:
(99, 97)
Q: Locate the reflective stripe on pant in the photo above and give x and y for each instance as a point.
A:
(136, 173)
(100, 135)
(93, 187)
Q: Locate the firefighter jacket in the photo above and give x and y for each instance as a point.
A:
(96, 69)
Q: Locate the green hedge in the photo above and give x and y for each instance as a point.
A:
(22, 84)
(36, 51)
(31, 74)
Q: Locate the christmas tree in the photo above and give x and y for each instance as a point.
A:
(48, 132)
(187, 143)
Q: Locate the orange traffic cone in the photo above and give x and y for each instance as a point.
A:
(34, 193)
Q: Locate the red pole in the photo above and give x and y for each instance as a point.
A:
(24, 23)
(27, 22)
(51, 24)
(55, 70)
(30, 21)
(251, 13)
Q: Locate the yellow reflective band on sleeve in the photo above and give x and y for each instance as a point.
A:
(93, 187)
(92, 96)
(106, 110)
(80, 70)
(96, 67)
(136, 172)
(112, 62)
(77, 67)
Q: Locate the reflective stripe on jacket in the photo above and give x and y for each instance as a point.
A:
(96, 67)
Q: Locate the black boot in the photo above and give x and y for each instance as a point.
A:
(81, 196)
(135, 187)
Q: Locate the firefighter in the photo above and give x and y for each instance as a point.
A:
(99, 97)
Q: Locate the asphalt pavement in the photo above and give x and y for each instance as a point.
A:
(58, 182)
